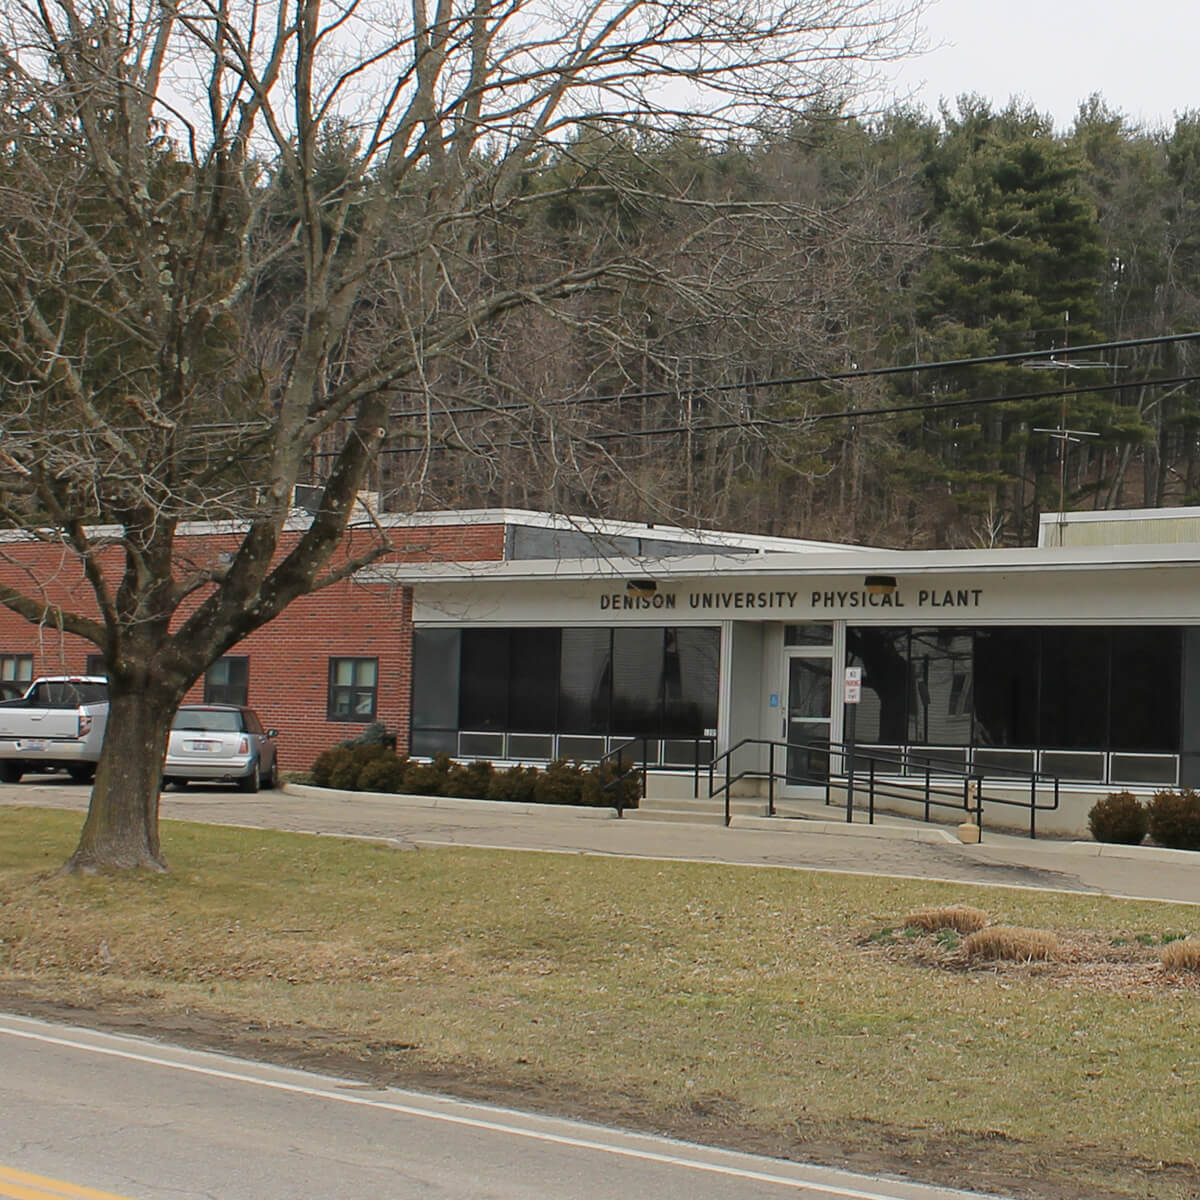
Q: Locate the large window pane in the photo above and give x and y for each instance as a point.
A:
(483, 690)
(883, 711)
(435, 680)
(533, 689)
(690, 677)
(1146, 680)
(941, 696)
(585, 681)
(637, 680)
(1006, 686)
(1074, 688)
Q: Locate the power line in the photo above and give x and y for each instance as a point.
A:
(797, 380)
(767, 423)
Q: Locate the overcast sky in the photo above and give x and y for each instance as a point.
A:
(1143, 56)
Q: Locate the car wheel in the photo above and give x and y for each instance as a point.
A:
(251, 782)
(180, 785)
(271, 778)
(10, 772)
(81, 774)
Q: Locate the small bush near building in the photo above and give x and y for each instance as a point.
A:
(1120, 818)
(373, 767)
(1175, 819)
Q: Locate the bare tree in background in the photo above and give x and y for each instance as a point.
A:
(232, 230)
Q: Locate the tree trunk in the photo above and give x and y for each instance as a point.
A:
(121, 829)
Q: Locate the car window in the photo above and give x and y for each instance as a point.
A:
(208, 720)
(67, 694)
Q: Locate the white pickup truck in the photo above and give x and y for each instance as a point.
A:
(57, 725)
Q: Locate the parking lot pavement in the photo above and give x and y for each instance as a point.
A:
(1149, 874)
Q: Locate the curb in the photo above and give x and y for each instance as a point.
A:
(901, 833)
(308, 791)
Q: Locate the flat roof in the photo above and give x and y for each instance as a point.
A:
(753, 566)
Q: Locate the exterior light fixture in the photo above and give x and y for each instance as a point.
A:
(641, 587)
(880, 585)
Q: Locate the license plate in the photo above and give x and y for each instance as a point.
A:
(204, 747)
(32, 747)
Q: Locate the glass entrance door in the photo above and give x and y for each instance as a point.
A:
(809, 717)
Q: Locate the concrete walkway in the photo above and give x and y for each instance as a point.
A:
(893, 846)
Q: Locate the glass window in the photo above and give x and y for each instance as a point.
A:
(1006, 686)
(1146, 682)
(941, 662)
(483, 687)
(585, 681)
(352, 689)
(812, 634)
(95, 665)
(691, 668)
(1074, 688)
(16, 668)
(533, 681)
(435, 680)
(883, 711)
(227, 681)
(637, 680)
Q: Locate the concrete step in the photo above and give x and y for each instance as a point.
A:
(688, 816)
(685, 809)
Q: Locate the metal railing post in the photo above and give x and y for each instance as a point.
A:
(871, 791)
(728, 784)
(771, 780)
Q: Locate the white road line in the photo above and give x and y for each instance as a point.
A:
(491, 1126)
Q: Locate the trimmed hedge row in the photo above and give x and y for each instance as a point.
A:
(1171, 818)
(374, 767)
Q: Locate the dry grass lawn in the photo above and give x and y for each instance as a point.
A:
(787, 1011)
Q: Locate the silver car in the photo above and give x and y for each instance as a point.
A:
(212, 743)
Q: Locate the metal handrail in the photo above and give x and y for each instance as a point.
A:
(619, 754)
(965, 794)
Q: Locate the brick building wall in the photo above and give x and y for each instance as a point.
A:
(288, 659)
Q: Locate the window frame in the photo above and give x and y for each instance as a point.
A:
(10, 668)
(352, 716)
(241, 699)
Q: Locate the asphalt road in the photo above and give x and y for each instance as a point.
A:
(129, 1118)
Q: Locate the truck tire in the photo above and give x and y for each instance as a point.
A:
(10, 772)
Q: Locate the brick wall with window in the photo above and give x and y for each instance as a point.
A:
(287, 661)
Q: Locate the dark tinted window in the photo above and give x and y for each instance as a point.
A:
(533, 680)
(585, 680)
(883, 655)
(1146, 684)
(1007, 666)
(483, 699)
(435, 680)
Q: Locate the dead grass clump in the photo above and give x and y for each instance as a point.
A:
(1012, 943)
(1183, 955)
(962, 918)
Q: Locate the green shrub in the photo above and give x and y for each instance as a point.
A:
(339, 766)
(514, 785)
(562, 782)
(384, 773)
(1175, 819)
(601, 789)
(428, 779)
(470, 781)
(1120, 818)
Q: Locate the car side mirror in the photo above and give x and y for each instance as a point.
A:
(272, 733)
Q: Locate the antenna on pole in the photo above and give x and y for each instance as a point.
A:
(1061, 433)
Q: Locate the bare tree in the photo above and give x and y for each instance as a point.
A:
(209, 208)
